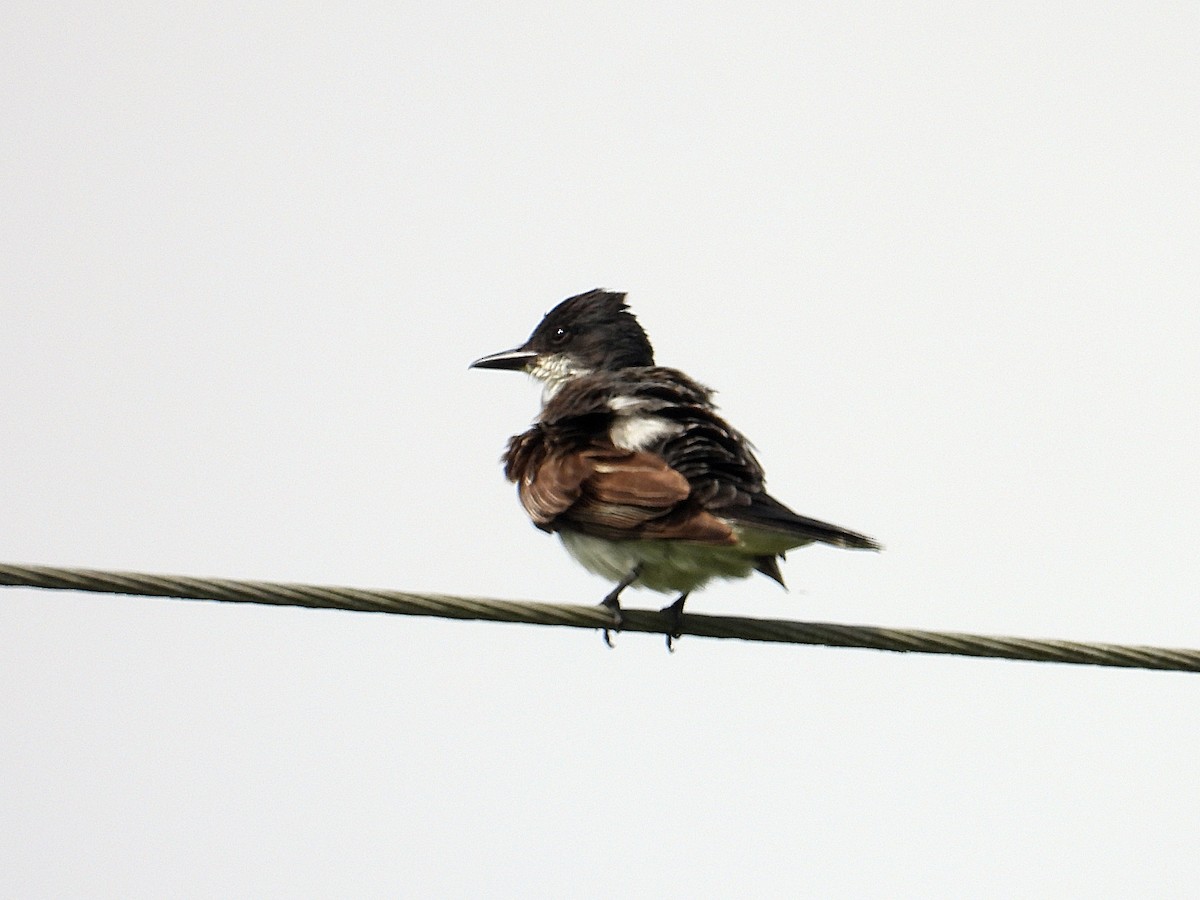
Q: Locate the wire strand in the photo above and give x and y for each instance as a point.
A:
(897, 640)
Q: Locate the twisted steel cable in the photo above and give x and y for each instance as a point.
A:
(405, 603)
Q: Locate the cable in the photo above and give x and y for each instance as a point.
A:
(449, 607)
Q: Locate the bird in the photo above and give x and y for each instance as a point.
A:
(634, 469)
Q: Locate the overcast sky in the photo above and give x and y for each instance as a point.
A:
(941, 263)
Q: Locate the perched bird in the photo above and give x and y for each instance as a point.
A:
(631, 465)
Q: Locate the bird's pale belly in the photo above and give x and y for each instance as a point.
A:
(666, 566)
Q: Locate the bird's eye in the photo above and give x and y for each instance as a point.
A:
(560, 335)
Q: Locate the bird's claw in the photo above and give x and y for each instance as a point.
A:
(674, 616)
(618, 618)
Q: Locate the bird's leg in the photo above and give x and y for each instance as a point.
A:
(674, 614)
(612, 601)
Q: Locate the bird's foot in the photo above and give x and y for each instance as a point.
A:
(613, 605)
(613, 602)
(674, 614)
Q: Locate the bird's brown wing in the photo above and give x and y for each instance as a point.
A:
(608, 492)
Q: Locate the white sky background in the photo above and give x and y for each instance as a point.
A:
(942, 265)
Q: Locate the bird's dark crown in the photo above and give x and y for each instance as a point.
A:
(595, 330)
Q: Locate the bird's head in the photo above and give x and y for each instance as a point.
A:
(591, 332)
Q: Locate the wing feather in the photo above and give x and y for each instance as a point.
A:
(698, 484)
(607, 492)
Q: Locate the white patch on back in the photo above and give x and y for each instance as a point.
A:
(634, 404)
(641, 431)
(635, 427)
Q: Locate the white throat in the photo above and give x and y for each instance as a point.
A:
(553, 372)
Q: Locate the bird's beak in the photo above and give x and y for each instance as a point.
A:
(518, 360)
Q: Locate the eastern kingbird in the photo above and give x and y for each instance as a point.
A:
(631, 465)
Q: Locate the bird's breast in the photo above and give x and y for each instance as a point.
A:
(665, 566)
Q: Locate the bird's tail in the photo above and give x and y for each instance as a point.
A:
(769, 514)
